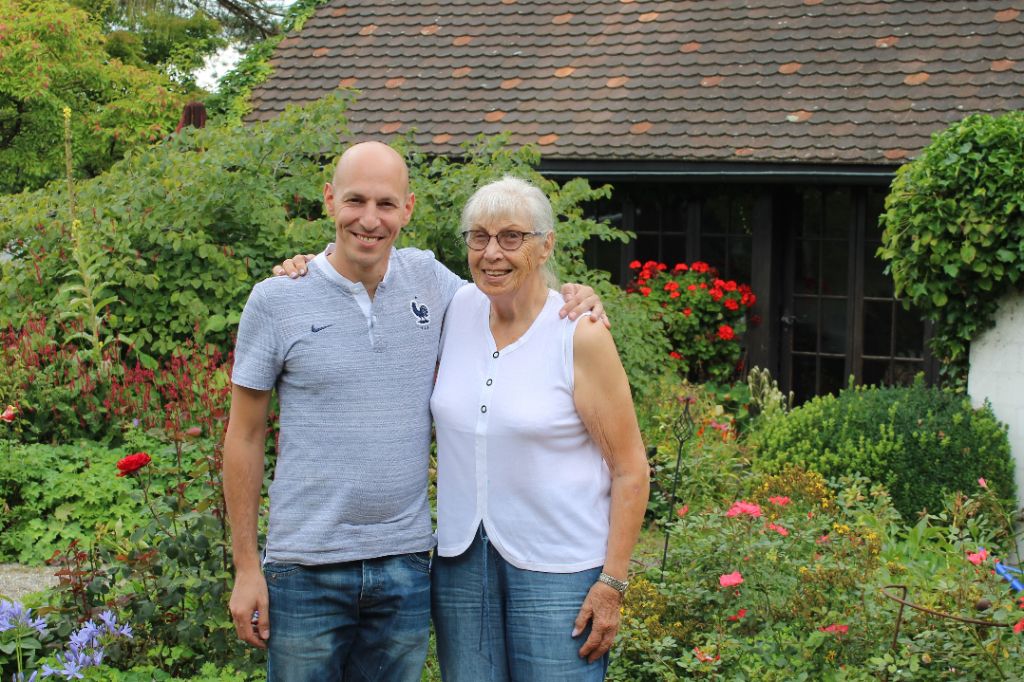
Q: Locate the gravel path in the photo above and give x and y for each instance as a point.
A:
(16, 580)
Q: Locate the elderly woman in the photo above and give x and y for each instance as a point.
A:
(542, 478)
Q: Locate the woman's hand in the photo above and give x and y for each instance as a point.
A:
(601, 610)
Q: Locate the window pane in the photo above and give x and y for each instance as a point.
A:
(806, 268)
(646, 247)
(877, 284)
(673, 248)
(875, 373)
(834, 270)
(909, 340)
(833, 326)
(714, 214)
(647, 216)
(877, 328)
(833, 375)
(739, 258)
(712, 251)
(805, 329)
(810, 225)
(804, 377)
(837, 214)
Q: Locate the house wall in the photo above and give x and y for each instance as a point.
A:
(997, 373)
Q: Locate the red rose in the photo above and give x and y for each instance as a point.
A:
(680, 267)
(9, 414)
(726, 333)
(645, 291)
(132, 463)
(731, 304)
(634, 265)
(675, 356)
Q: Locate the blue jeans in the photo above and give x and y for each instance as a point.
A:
(359, 620)
(495, 622)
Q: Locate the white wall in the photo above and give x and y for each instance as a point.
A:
(997, 373)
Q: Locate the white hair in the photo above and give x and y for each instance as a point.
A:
(512, 198)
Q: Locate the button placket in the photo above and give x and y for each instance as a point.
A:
(480, 443)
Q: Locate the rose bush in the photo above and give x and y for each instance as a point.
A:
(704, 315)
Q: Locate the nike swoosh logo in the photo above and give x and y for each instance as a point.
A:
(316, 329)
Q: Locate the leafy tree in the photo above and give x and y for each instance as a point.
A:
(244, 21)
(187, 226)
(52, 57)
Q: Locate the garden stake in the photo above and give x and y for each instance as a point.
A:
(682, 429)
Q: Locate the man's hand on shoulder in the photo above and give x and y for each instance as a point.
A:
(294, 266)
(579, 299)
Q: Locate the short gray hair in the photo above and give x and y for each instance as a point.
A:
(513, 198)
(509, 198)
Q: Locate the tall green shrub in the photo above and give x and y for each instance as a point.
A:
(920, 442)
(954, 230)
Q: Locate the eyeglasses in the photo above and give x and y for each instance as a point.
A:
(509, 240)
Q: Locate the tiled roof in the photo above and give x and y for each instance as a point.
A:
(799, 81)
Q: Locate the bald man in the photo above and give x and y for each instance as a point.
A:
(342, 590)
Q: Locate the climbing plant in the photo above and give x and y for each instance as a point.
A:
(953, 230)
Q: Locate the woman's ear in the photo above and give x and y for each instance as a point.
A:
(549, 246)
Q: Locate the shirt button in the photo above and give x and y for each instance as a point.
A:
(490, 381)
(483, 408)
(495, 354)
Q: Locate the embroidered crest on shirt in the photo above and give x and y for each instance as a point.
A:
(421, 312)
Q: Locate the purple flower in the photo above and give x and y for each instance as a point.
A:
(13, 614)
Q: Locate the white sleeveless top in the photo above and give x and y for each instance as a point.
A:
(512, 451)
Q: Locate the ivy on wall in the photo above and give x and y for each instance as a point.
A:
(953, 231)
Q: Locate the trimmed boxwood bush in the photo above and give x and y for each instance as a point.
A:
(920, 442)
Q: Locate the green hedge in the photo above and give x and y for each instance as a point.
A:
(920, 442)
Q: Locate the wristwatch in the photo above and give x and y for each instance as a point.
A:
(618, 585)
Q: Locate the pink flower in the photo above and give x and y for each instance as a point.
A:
(9, 414)
(744, 507)
(836, 629)
(682, 511)
(977, 558)
(738, 615)
(823, 539)
(780, 501)
(983, 483)
(778, 529)
(730, 579)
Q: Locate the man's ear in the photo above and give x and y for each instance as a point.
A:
(410, 203)
(329, 198)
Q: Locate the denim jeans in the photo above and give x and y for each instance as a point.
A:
(359, 620)
(495, 622)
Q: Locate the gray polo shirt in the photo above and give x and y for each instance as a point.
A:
(354, 392)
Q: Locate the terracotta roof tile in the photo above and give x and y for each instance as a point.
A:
(751, 81)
